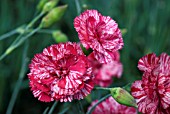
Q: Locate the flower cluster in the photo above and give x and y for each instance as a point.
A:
(110, 106)
(153, 91)
(100, 33)
(104, 73)
(62, 71)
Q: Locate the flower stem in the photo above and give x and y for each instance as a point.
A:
(20, 39)
(46, 31)
(99, 101)
(19, 81)
(102, 88)
(46, 110)
(78, 6)
(64, 110)
(8, 34)
(80, 106)
(52, 107)
(15, 45)
(34, 20)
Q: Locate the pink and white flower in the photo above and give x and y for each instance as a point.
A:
(100, 33)
(61, 72)
(152, 93)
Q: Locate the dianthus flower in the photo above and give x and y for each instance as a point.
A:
(153, 91)
(61, 72)
(110, 106)
(100, 33)
(104, 73)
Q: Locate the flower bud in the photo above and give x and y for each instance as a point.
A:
(41, 4)
(85, 7)
(123, 97)
(54, 15)
(123, 31)
(59, 36)
(47, 6)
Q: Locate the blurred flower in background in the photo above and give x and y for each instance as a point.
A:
(110, 106)
(152, 93)
(104, 73)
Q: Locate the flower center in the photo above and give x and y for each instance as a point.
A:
(62, 72)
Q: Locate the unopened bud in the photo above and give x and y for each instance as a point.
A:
(47, 6)
(53, 16)
(41, 4)
(123, 97)
(59, 36)
(123, 31)
(85, 7)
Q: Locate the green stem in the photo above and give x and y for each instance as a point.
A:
(19, 40)
(46, 31)
(46, 110)
(8, 34)
(65, 110)
(99, 101)
(102, 88)
(28, 26)
(34, 20)
(25, 37)
(15, 45)
(52, 108)
(19, 81)
(11, 32)
(80, 106)
(78, 6)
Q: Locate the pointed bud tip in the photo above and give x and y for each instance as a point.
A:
(49, 5)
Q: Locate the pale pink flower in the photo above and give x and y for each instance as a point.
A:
(104, 73)
(100, 33)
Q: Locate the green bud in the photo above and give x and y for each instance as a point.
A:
(53, 16)
(59, 36)
(85, 7)
(49, 5)
(123, 97)
(41, 4)
(123, 31)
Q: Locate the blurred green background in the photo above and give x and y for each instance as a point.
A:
(147, 23)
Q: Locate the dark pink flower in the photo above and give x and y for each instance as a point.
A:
(61, 72)
(100, 33)
(110, 106)
(104, 73)
(152, 93)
